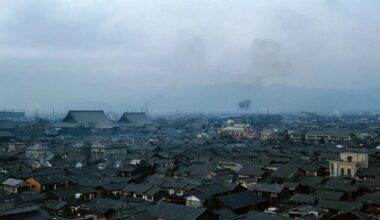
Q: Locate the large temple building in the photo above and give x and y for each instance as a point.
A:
(237, 131)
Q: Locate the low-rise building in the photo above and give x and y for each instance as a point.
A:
(349, 163)
(14, 185)
(329, 135)
(237, 131)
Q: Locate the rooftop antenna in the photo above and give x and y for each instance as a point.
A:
(268, 110)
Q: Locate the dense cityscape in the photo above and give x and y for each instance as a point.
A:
(189, 110)
(190, 166)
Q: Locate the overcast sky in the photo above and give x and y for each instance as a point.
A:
(71, 51)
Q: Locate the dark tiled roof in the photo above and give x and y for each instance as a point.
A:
(311, 181)
(370, 198)
(71, 191)
(50, 179)
(217, 188)
(275, 188)
(339, 205)
(375, 171)
(284, 172)
(103, 205)
(253, 215)
(251, 170)
(303, 198)
(291, 185)
(240, 200)
(328, 194)
(114, 186)
(137, 188)
(135, 119)
(173, 211)
(224, 214)
(88, 119)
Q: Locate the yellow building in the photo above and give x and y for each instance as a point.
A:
(237, 131)
(46, 183)
(349, 163)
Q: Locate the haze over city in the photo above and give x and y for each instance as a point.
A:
(189, 109)
(120, 55)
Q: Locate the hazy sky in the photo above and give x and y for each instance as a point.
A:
(75, 51)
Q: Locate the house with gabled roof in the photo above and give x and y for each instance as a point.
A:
(283, 174)
(47, 183)
(86, 119)
(72, 193)
(143, 191)
(273, 192)
(241, 202)
(334, 207)
(303, 199)
(14, 185)
(168, 211)
(134, 119)
(252, 171)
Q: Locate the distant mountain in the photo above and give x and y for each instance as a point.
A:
(279, 98)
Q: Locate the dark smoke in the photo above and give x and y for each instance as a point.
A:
(245, 104)
(267, 61)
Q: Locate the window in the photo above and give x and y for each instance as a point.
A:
(349, 172)
(342, 172)
(193, 203)
(349, 159)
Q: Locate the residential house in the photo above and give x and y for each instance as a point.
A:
(334, 207)
(47, 183)
(303, 199)
(273, 192)
(283, 174)
(14, 185)
(241, 202)
(256, 172)
(73, 193)
(168, 211)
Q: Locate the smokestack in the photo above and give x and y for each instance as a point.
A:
(146, 108)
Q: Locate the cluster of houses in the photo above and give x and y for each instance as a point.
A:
(194, 167)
